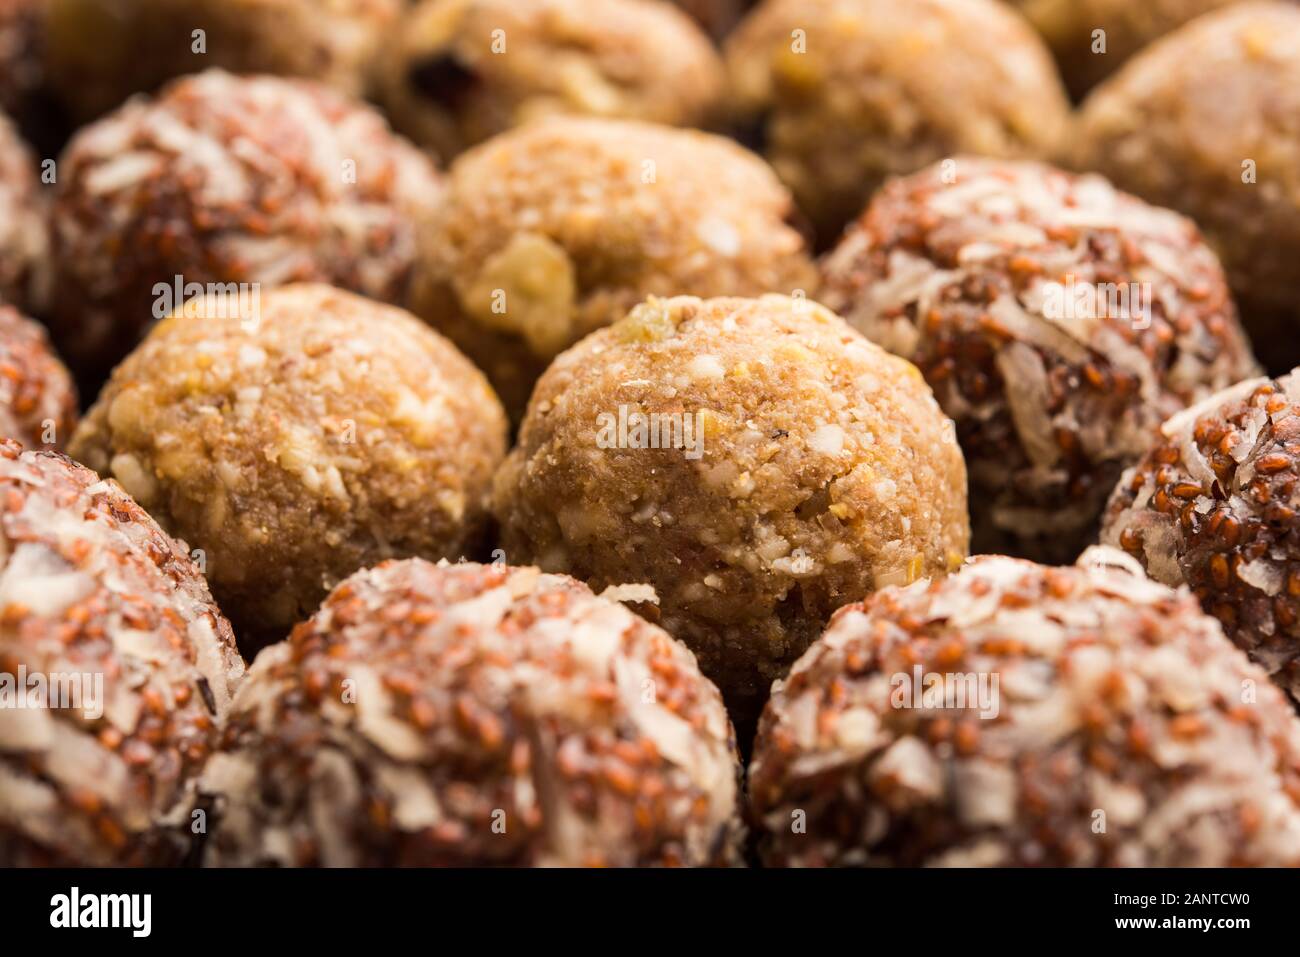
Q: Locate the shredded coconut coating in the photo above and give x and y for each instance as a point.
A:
(562, 226)
(1214, 506)
(24, 233)
(1177, 126)
(464, 70)
(38, 402)
(827, 471)
(21, 67)
(102, 51)
(337, 433)
(1129, 731)
(225, 179)
(90, 585)
(470, 715)
(1068, 27)
(973, 271)
(849, 92)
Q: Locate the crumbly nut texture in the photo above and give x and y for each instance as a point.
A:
(225, 179)
(562, 226)
(1069, 28)
(21, 67)
(100, 52)
(460, 71)
(1126, 730)
(846, 93)
(1214, 505)
(818, 468)
(38, 402)
(89, 585)
(24, 235)
(331, 434)
(1203, 121)
(1059, 322)
(468, 715)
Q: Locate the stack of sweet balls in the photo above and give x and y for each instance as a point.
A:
(531, 492)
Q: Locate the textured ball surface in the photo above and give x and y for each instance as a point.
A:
(1058, 320)
(102, 51)
(1214, 506)
(791, 467)
(98, 602)
(846, 93)
(38, 402)
(225, 179)
(1070, 29)
(561, 227)
(459, 715)
(1123, 730)
(1203, 121)
(465, 70)
(330, 434)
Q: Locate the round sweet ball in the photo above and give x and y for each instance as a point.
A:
(1019, 715)
(100, 52)
(472, 715)
(116, 671)
(1202, 122)
(1214, 506)
(562, 226)
(24, 235)
(315, 434)
(1086, 57)
(38, 401)
(460, 72)
(845, 93)
(1059, 322)
(756, 461)
(222, 180)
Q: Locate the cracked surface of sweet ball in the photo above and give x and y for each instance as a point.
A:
(1125, 730)
(816, 468)
(1059, 321)
(91, 586)
(474, 715)
(330, 434)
